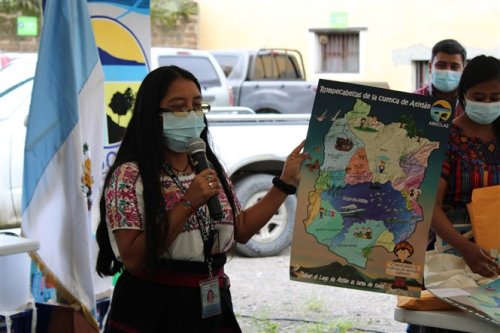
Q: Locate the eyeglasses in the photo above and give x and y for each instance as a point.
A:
(183, 111)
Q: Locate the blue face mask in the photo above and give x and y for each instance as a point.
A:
(482, 113)
(177, 130)
(445, 80)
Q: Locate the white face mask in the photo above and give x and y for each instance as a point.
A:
(482, 113)
(178, 130)
(445, 80)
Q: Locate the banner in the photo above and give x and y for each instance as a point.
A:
(367, 192)
(122, 30)
(63, 154)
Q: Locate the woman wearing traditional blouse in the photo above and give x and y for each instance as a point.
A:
(155, 225)
(472, 161)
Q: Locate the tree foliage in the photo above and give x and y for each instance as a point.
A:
(24, 7)
(163, 12)
(170, 13)
(166, 13)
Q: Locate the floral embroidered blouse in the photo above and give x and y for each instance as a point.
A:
(125, 210)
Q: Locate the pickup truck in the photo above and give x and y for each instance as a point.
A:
(203, 65)
(268, 80)
(252, 147)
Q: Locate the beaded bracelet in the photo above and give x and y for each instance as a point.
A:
(284, 187)
(187, 204)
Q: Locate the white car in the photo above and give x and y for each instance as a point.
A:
(203, 65)
(16, 83)
(251, 161)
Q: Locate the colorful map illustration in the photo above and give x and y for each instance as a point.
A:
(368, 170)
(487, 299)
(368, 184)
(482, 301)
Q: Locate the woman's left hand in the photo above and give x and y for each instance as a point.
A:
(291, 170)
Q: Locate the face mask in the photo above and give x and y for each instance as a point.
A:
(445, 80)
(178, 130)
(482, 113)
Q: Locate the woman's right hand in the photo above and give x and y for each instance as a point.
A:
(204, 186)
(479, 261)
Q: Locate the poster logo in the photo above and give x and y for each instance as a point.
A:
(440, 113)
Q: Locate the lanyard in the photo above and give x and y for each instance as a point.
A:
(204, 223)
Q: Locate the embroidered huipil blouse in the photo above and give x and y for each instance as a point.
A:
(125, 210)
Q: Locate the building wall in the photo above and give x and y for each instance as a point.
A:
(397, 31)
(10, 42)
(184, 35)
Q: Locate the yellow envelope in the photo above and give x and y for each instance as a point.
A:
(484, 211)
(426, 302)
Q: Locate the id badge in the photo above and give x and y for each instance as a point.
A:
(210, 297)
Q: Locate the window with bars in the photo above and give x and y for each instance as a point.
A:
(339, 51)
(421, 73)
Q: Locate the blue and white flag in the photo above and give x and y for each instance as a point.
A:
(63, 150)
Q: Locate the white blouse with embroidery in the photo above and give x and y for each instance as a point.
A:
(125, 210)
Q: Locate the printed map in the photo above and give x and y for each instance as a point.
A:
(368, 185)
(367, 189)
(482, 301)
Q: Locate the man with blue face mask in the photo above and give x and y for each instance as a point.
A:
(445, 68)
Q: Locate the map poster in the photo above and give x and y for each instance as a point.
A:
(367, 189)
(482, 301)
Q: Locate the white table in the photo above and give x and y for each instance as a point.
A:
(12, 244)
(450, 319)
(15, 292)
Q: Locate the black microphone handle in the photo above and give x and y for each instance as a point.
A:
(214, 208)
(200, 163)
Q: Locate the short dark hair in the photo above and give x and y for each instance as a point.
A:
(449, 46)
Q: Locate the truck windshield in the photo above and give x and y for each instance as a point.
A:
(276, 66)
(201, 67)
(228, 63)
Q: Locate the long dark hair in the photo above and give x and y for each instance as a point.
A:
(480, 69)
(143, 144)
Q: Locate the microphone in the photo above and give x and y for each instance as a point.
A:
(196, 149)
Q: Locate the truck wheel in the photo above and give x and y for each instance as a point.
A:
(277, 234)
(267, 110)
